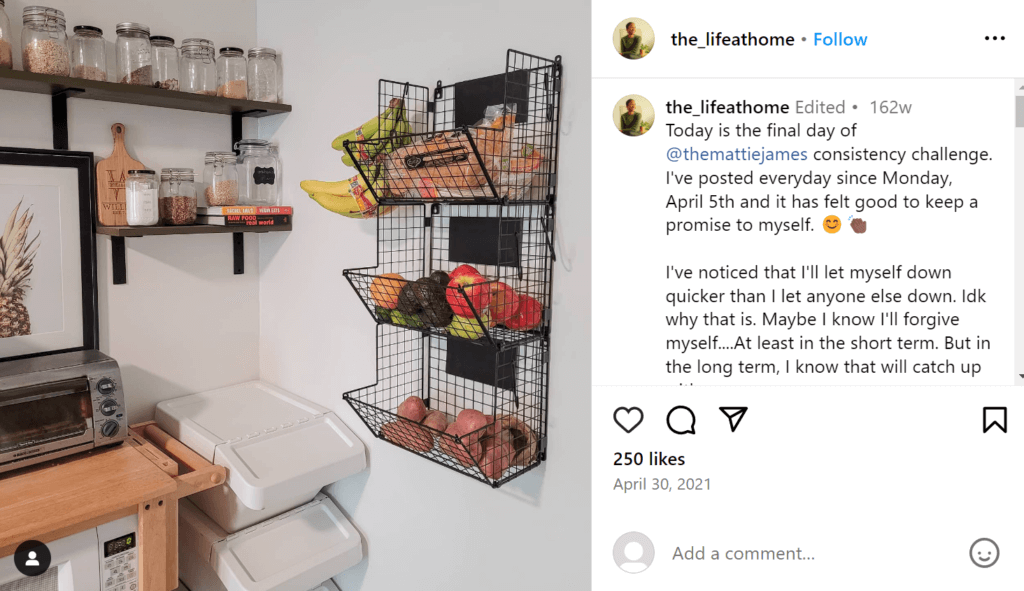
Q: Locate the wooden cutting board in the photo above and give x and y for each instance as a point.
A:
(110, 176)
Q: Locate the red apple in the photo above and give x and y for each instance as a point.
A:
(504, 302)
(527, 316)
(478, 295)
(463, 270)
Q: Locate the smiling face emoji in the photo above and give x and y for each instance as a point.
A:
(832, 224)
(984, 553)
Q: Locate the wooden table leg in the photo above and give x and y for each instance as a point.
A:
(158, 521)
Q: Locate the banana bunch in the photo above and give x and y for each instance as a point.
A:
(392, 122)
(351, 198)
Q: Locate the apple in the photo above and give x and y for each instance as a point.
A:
(463, 270)
(529, 314)
(478, 295)
(469, 328)
(504, 302)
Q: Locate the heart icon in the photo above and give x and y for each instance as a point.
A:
(628, 418)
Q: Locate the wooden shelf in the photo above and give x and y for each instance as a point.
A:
(119, 233)
(19, 81)
(137, 232)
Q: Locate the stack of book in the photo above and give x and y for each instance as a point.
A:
(245, 215)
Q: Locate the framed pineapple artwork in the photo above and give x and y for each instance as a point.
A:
(47, 253)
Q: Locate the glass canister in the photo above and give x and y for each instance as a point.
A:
(262, 75)
(141, 198)
(88, 54)
(259, 173)
(177, 196)
(44, 41)
(231, 73)
(134, 55)
(221, 179)
(6, 54)
(198, 69)
(165, 62)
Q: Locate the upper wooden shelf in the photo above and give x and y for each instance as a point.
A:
(137, 231)
(134, 95)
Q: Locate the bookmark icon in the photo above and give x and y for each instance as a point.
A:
(993, 416)
(735, 414)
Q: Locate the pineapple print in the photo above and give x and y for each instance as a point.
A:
(16, 256)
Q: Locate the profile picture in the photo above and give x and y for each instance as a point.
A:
(633, 115)
(633, 38)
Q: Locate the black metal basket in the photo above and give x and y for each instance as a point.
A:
(443, 150)
(480, 343)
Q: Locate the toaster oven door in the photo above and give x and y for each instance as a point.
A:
(44, 418)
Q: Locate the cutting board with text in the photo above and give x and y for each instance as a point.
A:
(111, 173)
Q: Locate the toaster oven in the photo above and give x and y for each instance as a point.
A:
(57, 405)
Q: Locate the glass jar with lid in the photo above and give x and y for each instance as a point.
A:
(134, 55)
(231, 73)
(177, 196)
(44, 41)
(198, 69)
(6, 52)
(88, 54)
(259, 173)
(262, 75)
(141, 198)
(165, 62)
(220, 179)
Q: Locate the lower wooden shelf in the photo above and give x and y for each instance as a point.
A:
(119, 233)
(146, 475)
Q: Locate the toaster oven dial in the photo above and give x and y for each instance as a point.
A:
(110, 428)
(106, 386)
(109, 407)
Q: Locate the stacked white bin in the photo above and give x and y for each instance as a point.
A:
(268, 528)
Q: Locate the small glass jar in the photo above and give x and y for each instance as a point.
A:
(259, 173)
(262, 75)
(220, 179)
(44, 41)
(198, 69)
(141, 198)
(231, 73)
(6, 52)
(177, 196)
(165, 63)
(88, 54)
(134, 55)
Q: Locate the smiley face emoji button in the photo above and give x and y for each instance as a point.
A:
(832, 224)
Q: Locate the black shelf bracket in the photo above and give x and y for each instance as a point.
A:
(239, 243)
(117, 256)
(59, 115)
(236, 125)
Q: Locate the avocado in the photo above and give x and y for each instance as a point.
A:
(440, 278)
(407, 301)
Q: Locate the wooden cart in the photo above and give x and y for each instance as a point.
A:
(145, 475)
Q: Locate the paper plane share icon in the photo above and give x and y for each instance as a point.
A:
(735, 414)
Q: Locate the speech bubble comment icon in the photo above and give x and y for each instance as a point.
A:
(682, 421)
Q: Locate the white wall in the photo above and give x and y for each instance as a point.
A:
(427, 527)
(184, 322)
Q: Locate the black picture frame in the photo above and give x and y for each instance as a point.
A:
(83, 163)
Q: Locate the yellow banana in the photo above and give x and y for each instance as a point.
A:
(346, 205)
(332, 188)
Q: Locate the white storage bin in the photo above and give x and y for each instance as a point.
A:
(294, 551)
(279, 450)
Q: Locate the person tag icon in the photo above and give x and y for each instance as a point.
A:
(32, 558)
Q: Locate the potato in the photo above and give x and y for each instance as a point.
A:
(470, 421)
(436, 420)
(408, 435)
(496, 459)
(459, 450)
(413, 409)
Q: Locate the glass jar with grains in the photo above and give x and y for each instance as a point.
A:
(262, 75)
(177, 196)
(6, 55)
(198, 69)
(88, 54)
(141, 198)
(44, 41)
(134, 55)
(231, 73)
(220, 179)
(165, 62)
